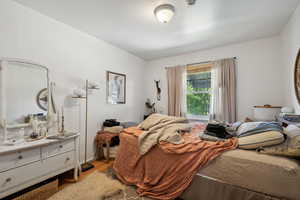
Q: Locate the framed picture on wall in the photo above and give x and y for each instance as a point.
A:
(116, 88)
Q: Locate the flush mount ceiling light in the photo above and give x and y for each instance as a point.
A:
(164, 13)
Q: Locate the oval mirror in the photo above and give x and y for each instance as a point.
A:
(23, 91)
(297, 77)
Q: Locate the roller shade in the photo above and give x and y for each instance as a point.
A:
(199, 68)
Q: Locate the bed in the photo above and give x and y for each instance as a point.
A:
(235, 174)
(247, 175)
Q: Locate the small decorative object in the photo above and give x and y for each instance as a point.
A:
(288, 110)
(42, 99)
(297, 77)
(4, 126)
(61, 122)
(52, 113)
(150, 106)
(27, 118)
(116, 88)
(34, 135)
(35, 124)
(39, 129)
(158, 90)
(52, 107)
(43, 131)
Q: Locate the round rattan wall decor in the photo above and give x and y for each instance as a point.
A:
(297, 77)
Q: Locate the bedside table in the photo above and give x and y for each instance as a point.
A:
(101, 139)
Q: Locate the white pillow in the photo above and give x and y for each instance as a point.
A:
(260, 140)
(292, 131)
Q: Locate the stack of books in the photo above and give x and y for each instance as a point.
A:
(291, 117)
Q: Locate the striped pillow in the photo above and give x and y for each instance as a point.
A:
(263, 139)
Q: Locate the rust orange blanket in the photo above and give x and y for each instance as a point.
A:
(167, 169)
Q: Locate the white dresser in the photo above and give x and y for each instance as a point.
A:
(27, 164)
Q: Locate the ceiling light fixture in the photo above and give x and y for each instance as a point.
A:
(164, 13)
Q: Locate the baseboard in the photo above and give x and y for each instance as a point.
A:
(88, 160)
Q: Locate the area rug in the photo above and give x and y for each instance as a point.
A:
(127, 194)
(98, 186)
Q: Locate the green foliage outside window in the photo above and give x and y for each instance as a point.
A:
(198, 100)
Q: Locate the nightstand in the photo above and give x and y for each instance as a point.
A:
(104, 138)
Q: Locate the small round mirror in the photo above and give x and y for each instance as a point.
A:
(42, 99)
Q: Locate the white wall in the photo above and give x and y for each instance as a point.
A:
(72, 57)
(290, 46)
(259, 73)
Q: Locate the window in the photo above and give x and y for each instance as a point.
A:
(199, 92)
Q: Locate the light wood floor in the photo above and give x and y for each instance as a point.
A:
(66, 179)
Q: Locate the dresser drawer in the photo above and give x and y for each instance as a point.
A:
(20, 175)
(59, 162)
(58, 148)
(19, 158)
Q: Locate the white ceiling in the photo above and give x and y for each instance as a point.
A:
(131, 25)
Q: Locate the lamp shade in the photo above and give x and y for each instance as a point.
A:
(164, 13)
(78, 92)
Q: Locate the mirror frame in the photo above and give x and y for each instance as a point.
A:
(297, 77)
(2, 92)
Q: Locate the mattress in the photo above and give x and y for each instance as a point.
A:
(217, 190)
(272, 175)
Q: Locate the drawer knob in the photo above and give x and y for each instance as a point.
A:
(8, 180)
(60, 146)
(20, 157)
(67, 159)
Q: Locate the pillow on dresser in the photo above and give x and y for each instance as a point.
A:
(291, 147)
(260, 140)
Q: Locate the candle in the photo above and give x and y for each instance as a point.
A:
(62, 121)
